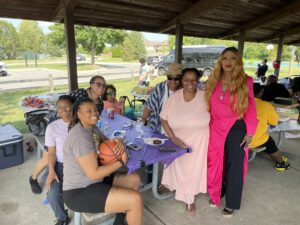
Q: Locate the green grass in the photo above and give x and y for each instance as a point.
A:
(11, 113)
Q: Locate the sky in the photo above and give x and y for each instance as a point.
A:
(45, 25)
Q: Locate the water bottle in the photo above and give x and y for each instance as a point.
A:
(45, 201)
(99, 123)
(139, 129)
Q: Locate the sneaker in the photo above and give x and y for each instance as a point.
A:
(285, 159)
(211, 204)
(35, 187)
(227, 213)
(63, 222)
(281, 166)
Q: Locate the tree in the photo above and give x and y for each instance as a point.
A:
(57, 35)
(31, 38)
(133, 46)
(93, 39)
(9, 40)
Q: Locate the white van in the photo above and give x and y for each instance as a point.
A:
(202, 57)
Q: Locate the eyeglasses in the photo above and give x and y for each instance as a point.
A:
(99, 84)
(177, 78)
(112, 93)
(66, 107)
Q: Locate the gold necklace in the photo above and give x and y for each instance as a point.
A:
(94, 134)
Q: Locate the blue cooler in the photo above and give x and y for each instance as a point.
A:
(11, 146)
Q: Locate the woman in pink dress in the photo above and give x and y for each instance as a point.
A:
(185, 120)
(229, 95)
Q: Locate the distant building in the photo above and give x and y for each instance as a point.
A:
(155, 48)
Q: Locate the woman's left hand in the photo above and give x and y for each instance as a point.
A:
(120, 147)
(246, 141)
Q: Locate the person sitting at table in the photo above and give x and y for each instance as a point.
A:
(159, 95)
(94, 92)
(55, 136)
(273, 90)
(185, 119)
(110, 101)
(296, 94)
(266, 115)
(89, 187)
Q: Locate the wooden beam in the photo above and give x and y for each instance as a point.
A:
(241, 42)
(279, 52)
(59, 12)
(193, 12)
(178, 42)
(286, 33)
(295, 42)
(267, 18)
(71, 49)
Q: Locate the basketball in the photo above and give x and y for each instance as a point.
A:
(106, 153)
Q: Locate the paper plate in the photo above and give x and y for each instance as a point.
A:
(118, 134)
(154, 141)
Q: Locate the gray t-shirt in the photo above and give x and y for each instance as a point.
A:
(79, 142)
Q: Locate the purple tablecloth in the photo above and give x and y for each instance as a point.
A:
(149, 154)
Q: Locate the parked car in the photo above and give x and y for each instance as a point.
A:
(3, 69)
(80, 57)
(202, 57)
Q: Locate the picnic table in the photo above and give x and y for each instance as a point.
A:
(43, 101)
(148, 154)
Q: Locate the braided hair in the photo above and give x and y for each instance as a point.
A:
(75, 110)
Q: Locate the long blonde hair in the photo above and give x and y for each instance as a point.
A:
(238, 84)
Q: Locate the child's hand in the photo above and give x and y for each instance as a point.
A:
(122, 100)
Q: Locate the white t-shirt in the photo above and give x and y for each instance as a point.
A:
(56, 134)
(143, 70)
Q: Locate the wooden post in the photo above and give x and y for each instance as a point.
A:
(71, 49)
(241, 42)
(51, 86)
(35, 58)
(279, 53)
(26, 63)
(178, 42)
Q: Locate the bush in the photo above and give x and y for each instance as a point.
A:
(117, 52)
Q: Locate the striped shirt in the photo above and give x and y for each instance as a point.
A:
(155, 103)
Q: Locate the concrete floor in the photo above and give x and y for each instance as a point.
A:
(270, 197)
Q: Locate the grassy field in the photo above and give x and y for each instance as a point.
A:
(11, 113)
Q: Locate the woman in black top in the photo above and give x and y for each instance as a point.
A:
(94, 92)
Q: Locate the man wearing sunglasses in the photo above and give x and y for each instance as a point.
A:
(160, 94)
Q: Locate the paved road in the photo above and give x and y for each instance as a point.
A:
(32, 78)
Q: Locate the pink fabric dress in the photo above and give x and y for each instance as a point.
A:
(189, 122)
(222, 119)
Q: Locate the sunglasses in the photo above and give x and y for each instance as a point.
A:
(177, 78)
(65, 107)
(99, 84)
(111, 93)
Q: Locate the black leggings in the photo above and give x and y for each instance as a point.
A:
(233, 165)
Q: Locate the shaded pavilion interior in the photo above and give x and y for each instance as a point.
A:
(269, 21)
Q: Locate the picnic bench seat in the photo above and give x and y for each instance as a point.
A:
(40, 140)
(253, 151)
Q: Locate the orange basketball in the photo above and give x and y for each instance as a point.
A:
(106, 153)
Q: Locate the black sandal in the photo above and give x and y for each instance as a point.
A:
(227, 213)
